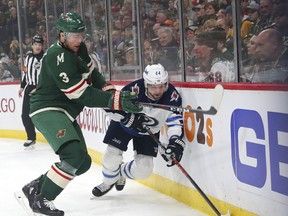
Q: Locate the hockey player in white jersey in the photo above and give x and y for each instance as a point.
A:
(152, 88)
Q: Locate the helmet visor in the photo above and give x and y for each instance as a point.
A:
(75, 37)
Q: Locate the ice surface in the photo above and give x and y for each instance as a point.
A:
(19, 166)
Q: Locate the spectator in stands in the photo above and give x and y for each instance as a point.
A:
(266, 7)
(209, 25)
(100, 46)
(118, 47)
(200, 14)
(229, 21)
(128, 37)
(155, 29)
(221, 23)
(147, 27)
(148, 53)
(220, 36)
(31, 17)
(189, 16)
(14, 51)
(4, 35)
(52, 29)
(156, 5)
(117, 40)
(93, 54)
(246, 25)
(115, 9)
(273, 58)
(172, 12)
(250, 60)
(98, 18)
(117, 24)
(253, 16)
(251, 46)
(126, 9)
(8, 65)
(127, 21)
(161, 16)
(12, 25)
(129, 56)
(212, 66)
(27, 43)
(190, 35)
(210, 10)
(6, 76)
(10, 4)
(41, 22)
(244, 4)
(167, 53)
(220, 14)
(280, 17)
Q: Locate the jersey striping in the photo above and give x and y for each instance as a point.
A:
(31, 69)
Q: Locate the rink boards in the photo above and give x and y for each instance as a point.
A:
(238, 157)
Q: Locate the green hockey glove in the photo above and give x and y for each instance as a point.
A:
(108, 87)
(122, 100)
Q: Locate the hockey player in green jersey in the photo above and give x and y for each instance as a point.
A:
(67, 83)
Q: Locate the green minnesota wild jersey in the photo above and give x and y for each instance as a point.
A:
(63, 83)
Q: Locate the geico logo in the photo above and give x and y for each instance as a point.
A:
(7, 105)
(259, 149)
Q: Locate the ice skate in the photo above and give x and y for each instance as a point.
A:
(29, 143)
(101, 189)
(120, 184)
(43, 206)
(30, 190)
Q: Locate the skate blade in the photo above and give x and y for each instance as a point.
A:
(22, 200)
(29, 148)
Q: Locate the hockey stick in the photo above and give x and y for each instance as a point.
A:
(186, 174)
(217, 98)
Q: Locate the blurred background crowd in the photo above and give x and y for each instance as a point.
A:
(195, 40)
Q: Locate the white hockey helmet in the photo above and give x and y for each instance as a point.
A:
(155, 74)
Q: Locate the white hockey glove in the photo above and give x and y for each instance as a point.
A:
(135, 121)
(174, 150)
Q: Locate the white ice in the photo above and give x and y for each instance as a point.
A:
(19, 166)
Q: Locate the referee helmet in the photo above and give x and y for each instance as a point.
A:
(38, 39)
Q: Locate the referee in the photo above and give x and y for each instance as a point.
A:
(28, 85)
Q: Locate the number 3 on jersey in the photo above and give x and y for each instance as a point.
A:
(64, 77)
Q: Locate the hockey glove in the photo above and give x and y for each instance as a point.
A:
(174, 150)
(83, 53)
(108, 87)
(121, 100)
(135, 121)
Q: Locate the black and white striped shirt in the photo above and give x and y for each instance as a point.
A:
(31, 69)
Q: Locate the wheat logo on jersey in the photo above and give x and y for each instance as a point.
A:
(60, 58)
(174, 96)
(61, 133)
(37, 65)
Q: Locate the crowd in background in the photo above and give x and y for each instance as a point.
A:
(208, 36)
